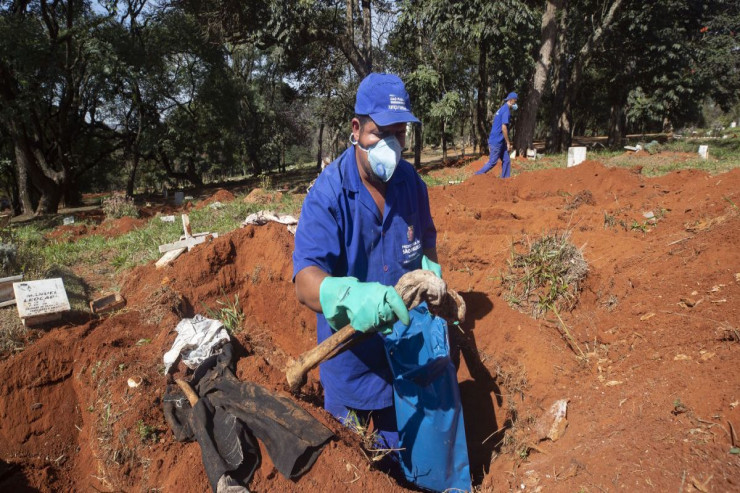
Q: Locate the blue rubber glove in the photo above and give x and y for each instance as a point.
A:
(366, 306)
(427, 264)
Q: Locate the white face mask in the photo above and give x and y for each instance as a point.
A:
(384, 156)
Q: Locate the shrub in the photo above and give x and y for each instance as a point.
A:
(118, 205)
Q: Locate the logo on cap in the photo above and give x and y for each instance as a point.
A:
(397, 103)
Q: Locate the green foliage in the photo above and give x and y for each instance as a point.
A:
(147, 433)
(229, 312)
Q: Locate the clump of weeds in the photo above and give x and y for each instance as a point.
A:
(372, 445)
(229, 312)
(544, 274)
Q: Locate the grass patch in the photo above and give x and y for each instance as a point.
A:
(435, 180)
(147, 433)
(544, 275)
(724, 155)
(229, 312)
(34, 253)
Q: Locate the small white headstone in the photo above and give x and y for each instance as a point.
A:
(576, 155)
(179, 197)
(531, 153)
(37, 300)
(733, 124)
(704, 151)
(167, 219)
(68, 220)
(512, 155)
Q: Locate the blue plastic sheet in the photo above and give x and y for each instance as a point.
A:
(431, 430)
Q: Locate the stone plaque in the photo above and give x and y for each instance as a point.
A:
(40, 297)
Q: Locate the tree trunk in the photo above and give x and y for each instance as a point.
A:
(417, 145)
(367, 35)
(473, 133)
(24, 184)
(189, 175)
(616, 126)
(444, 141)
(132, 174)
(481, 109)
(560, 83)
(359, 58)
(320, 145)
(581, 61)
(528, 116)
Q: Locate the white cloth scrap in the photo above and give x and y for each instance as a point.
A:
(260, 218)
(197, 339)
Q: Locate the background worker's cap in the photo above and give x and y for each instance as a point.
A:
(512, 95)
(383, 98)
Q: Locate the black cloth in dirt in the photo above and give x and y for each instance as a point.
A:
(231, 415)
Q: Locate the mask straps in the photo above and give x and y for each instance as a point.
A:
(355, 142)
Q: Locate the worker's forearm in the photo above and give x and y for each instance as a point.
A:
(307, 285)
(505, 131)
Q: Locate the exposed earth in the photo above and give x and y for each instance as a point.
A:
(650, 373)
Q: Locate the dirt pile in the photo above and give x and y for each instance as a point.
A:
(650, 387)
(220, 195)
(261, 196)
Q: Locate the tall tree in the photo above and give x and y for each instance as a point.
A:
(525, 125)
(51, 68)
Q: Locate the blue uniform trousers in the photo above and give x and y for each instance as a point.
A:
(498, 151)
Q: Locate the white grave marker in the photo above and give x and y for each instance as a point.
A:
(733, 124)
(40, 301)
(68, 220)
(704, 152)
(576, 155)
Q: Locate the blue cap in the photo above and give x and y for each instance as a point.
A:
(383, 98)
(512, 95)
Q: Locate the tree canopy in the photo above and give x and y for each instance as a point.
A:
(137, 95)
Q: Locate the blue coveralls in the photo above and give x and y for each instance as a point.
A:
(341, 231)
(497, 144)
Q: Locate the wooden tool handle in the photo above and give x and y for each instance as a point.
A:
(297, 369)
(188, 391)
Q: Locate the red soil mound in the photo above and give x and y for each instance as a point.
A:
(650, 389)
(67, 233)
(120, 226)
(221, 195)
(260, 196)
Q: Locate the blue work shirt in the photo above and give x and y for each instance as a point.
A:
(342, 232)
(501, 118)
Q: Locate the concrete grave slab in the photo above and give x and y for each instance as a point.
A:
(40, 301)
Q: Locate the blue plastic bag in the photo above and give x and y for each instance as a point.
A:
(434, 452)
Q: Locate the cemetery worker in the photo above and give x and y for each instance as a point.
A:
(364, 223)
(499, 143)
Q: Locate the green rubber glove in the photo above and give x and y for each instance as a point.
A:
(366, 306)
(427, 264)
